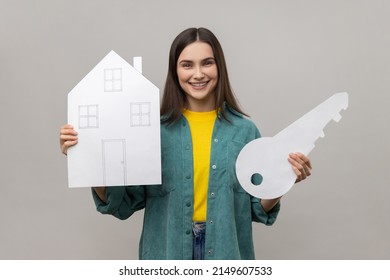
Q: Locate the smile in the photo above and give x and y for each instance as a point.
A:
(198, 85)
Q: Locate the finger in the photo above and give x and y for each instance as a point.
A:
(67, 137)
(67, 140)
(307, 170)
(67, 144)
(299, 174)
(70, 143)
(306, 164)
(68, 131)
(296, 161)
(66, 127)
(299, 167)
(305, 159)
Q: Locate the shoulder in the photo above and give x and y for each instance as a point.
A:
(172, 133)
(170, 128)
(241, 126)
(239, 119)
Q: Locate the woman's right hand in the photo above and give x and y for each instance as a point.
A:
(68, 138)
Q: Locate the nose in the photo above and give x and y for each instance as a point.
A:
(198, 73)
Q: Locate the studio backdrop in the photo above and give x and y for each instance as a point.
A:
(284, 58)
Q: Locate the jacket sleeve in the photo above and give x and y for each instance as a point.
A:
(122, 201)
(260, 216)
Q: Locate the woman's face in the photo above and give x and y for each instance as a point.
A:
(198, 76)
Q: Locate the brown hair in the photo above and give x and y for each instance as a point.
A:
(174, 97)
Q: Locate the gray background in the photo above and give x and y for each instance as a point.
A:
(284, 58)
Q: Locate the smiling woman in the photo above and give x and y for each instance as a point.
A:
(202, 132)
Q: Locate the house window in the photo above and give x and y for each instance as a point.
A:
(89, 116)
(140, 114)
(113, 79)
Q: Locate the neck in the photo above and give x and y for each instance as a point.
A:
(200, 106)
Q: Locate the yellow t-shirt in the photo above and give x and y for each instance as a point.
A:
(201, 126)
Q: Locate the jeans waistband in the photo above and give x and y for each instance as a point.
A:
(199, 228)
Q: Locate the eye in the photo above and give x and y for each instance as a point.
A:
(186, 65)
(209, 62)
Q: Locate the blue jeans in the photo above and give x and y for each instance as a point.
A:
(199, 230)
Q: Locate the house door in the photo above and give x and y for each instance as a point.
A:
(114, 162)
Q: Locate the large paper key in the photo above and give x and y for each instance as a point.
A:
(262, 167)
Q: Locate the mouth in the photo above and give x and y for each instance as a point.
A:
(199, 85)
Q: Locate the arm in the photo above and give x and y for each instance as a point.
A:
(101, 193)
(120, 201)
(268, 204)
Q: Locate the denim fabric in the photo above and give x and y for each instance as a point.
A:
(199, 230)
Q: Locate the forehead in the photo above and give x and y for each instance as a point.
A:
(196, 51)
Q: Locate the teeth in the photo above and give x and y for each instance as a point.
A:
(198, 84)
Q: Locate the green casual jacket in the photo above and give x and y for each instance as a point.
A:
(167, 228)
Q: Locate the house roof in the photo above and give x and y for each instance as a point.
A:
(92, 82)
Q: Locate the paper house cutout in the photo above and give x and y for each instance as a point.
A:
(116, 112)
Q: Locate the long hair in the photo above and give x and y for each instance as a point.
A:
(174, 98)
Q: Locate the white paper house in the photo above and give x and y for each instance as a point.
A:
(116, 112)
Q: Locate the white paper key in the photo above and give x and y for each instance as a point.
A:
(262, 167)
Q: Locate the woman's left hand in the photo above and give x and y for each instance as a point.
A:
(301, 165)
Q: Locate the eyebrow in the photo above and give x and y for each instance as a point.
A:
(186, 60)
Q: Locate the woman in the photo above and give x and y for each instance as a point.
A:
(200, 211)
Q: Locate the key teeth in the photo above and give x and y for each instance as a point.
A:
(322, 134)
(337, 117)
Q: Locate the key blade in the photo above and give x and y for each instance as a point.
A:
(310, 126)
